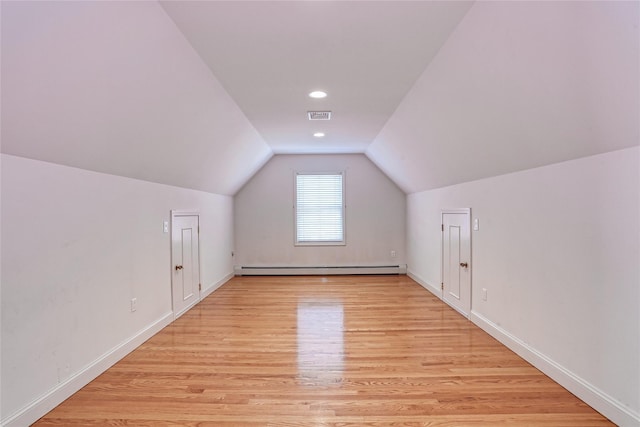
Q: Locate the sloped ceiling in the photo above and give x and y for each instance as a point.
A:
(114, 87)
(201, 94)
(270, 54)
(518, 85)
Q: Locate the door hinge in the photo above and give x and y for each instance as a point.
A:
(199, 286)
(442, 286)
(442, 227)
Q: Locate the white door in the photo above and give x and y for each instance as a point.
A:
(456, 259)
(185, 262)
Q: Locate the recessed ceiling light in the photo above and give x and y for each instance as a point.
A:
(318, 134)
(318, 94)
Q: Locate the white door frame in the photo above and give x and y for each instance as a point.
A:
(466, 211)
(174, 214)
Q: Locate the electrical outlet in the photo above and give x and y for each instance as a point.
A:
(134, 304)
(484, 294)
(393, 254)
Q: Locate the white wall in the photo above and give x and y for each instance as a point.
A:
(558, 252)
(76, 247)
(375, 215)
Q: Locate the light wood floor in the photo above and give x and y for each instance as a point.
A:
(313, 351)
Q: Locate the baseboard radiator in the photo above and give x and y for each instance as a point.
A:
(320, 270)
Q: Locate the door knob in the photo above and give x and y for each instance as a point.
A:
(178, 267)
(462, 264)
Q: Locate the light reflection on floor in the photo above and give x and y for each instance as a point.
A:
(320, 333)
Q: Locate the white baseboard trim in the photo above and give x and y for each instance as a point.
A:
(241, 270)
(436, 292)
(212, 287)
(428, 286)
(591, 395)
(45, 403)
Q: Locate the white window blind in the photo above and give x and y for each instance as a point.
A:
(319, 209)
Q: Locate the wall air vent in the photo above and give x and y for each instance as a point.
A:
(319, 115)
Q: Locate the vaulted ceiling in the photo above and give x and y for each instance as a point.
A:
(202, 94)
(270, 55)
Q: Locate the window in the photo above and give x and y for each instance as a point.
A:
(319, 209)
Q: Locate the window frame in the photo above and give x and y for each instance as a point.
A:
(342, 242)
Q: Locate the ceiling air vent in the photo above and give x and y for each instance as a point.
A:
(319, 115)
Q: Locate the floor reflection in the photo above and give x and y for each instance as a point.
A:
(320, 341)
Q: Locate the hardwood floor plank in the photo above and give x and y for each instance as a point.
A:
(322, 351)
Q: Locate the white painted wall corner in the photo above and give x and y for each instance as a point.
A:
(435, 290)
(214, 286)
